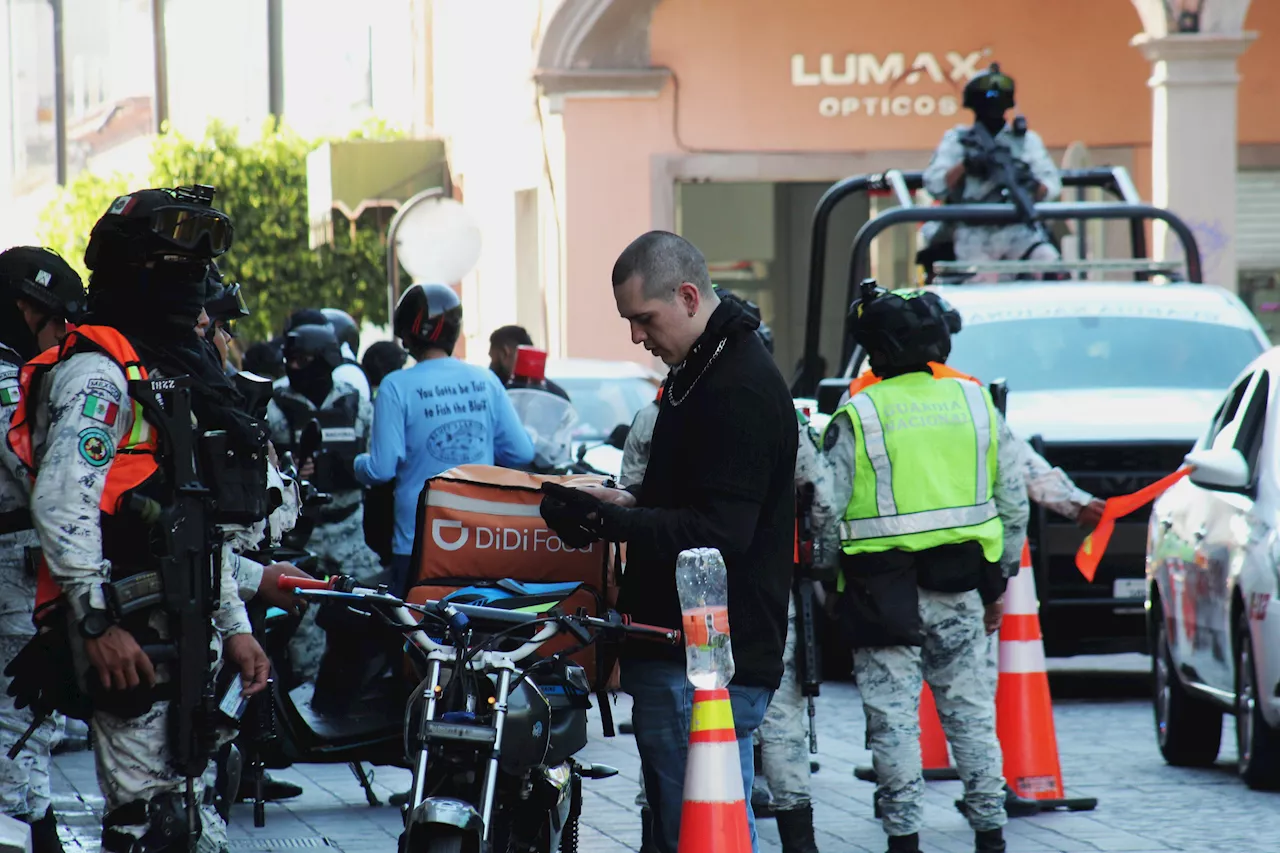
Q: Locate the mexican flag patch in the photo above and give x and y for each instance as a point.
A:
(100, 410)
(10, 396)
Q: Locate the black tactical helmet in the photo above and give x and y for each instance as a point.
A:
(429, 315)
(41, 276)
(900, 328)
(344, 325)
(989, 85)
(159, 224)
(313, 340)
(763, 332)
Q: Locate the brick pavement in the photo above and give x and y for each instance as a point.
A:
(1107, 748)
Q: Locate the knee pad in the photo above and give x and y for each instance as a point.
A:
(165, 819)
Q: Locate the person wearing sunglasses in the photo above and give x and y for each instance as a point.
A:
(101, 465)
(961, 171)
(39, 294)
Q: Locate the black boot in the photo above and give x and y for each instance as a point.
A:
(646, 831)
(904, 843)
(990, 841)
(44, 834)
(273, 790)
(795, 828)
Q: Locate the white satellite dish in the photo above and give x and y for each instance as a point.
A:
(438, 241)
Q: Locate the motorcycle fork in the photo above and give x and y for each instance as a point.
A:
(420, 769)
(491, 773)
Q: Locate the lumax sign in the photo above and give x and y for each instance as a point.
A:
(890, 73)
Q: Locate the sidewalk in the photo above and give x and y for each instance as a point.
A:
(1108, 751)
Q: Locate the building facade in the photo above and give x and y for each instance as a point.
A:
(725, 120)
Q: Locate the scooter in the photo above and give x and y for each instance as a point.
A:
(358, 722)
(493, 738)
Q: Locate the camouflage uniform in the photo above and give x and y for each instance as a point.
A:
(240, 538)
(991, 242)
(954, 660)
(339, 546)
(783, 735)
(24, 782)
(73, 451)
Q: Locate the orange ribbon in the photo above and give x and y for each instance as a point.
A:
(1095, 544)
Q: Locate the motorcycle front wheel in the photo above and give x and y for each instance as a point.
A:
(450, 843)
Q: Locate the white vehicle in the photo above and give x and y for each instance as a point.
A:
(1112, 382)
(1213, 580)
(606, 395)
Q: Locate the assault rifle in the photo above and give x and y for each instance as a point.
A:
(1008, 173)
(189, 568)
(808, 659)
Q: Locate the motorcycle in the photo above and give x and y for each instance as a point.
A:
(550, 421)
(493, 738)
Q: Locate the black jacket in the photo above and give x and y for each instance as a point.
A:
(721, 474)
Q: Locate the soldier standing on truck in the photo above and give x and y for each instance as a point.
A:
(964, 170)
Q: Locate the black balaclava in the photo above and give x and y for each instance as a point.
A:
(314, 381)
(14, 331)
(990, 115)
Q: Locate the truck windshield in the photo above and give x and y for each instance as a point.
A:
(1066, 353)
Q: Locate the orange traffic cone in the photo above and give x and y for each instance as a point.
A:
(714, 816)
(933, 745)
(1024, 711)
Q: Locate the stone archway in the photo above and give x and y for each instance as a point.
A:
(599, 47)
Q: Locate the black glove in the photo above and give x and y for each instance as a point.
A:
(1024, 176)
(977, 163)
(574, 515)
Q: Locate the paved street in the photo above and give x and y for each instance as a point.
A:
(1104, 735)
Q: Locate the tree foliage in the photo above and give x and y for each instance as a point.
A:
(262, 186)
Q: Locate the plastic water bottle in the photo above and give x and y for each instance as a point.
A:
(703, 586)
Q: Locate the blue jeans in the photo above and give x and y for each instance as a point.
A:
(399, 581)
(662, 703)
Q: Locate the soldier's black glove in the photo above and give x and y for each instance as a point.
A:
(574, 515)
(978, 164)
(1024, 176)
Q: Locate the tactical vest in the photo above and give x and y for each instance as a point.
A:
(338, 434)
(134, 470)
(925, 467)
(937, 368)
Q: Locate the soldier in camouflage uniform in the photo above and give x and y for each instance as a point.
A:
(149, 255)
(310, 392)
(959, 172)
(225, 305)
(923, 562)
(783, 735)
(39, 293)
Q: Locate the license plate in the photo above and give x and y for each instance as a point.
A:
(1129, 588)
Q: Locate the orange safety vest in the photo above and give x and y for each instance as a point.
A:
(135, 461)
(937, 368)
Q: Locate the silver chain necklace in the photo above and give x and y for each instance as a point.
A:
(672, 397)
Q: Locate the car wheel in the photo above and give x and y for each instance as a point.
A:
(1257, 743)
(1188, 728)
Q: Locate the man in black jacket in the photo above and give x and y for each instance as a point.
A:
(720, 475)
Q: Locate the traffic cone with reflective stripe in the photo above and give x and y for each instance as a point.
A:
(1024, 711)
(714, 816)
(934, 759)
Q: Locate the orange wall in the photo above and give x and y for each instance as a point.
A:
(1078, 79)
(608, 144)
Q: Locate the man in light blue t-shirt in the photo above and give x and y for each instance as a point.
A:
(434, 416)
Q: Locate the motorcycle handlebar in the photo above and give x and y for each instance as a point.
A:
(657, 633)
(639, 630)
(293, 582)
